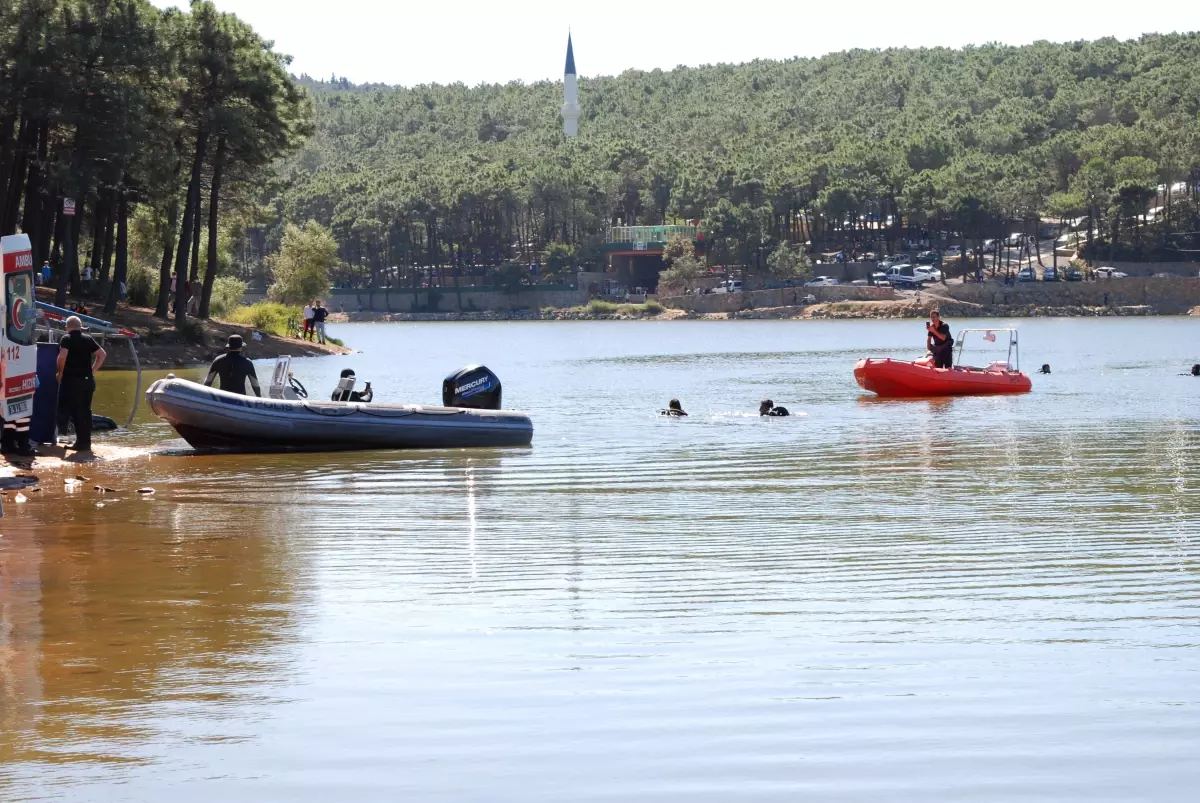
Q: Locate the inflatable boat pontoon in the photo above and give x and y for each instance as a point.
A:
(902, 379)
(215, 420)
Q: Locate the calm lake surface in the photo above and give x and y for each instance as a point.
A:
(985, 599)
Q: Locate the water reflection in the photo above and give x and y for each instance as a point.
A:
(980, 599)
(121, 635)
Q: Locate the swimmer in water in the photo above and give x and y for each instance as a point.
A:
(1196, 369)
(1045, 369)
(674, 409)
(767, 407)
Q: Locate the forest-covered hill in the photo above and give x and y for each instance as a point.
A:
(761, 152)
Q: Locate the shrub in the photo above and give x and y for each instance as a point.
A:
(141, 286)
(193, 332)
(226, 296)
(270, 317)
(598, 307)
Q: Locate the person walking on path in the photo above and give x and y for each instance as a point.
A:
(234, 369)
(306, 333)
(79, 357)
(319, 316)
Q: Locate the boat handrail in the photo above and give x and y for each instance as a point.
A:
(1014, 354)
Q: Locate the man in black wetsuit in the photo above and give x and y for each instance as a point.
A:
(345, 391)
(767, 407)
(79, 357)
(234, 369)
(939, 341)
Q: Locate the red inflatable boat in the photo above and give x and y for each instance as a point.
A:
(899, 379)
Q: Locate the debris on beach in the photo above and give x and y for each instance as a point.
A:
(145, 491)
(21, 498)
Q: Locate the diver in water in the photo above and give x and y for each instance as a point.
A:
(674, 410)
(1196, 369)
(1045, 369)
(345, 392)
(767, 407)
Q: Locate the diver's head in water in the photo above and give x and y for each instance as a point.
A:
(1045, 368)
(1196, 369)
(347, 372)
(764, 407)
(674, 408)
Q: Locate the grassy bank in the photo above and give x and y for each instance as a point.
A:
(272, 318)
(598, 307)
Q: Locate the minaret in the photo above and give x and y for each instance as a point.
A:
(570, 108)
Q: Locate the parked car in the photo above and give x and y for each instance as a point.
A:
(894, 259)
(930, 274)
(1110, 273)
(1015, 239)
(905, 276)
(954, 251)
(879, 276)
(1074, 276)
(728, 286)
(1050, 274)
(929, 258)
(821, 281)
(988, 246)
(1027, 275)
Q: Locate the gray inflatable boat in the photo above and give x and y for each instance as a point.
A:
(215, 420)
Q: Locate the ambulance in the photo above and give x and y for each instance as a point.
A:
(18, 347)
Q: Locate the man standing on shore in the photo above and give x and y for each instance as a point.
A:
(319, 316)
(79, 357)
(306, 333)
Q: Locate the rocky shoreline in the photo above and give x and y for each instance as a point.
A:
(842, 310)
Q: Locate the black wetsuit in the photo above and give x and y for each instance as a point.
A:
(352, 396)
(78, 386)
(233, 368)
(943, 350)
(673, 413)
(777, 411)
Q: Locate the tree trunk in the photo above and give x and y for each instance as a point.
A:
(163, 306)
(122, 266)
(71, 251)
(197, 230)
(186, 226)
(214, 196)
(99, 227)
(16, 178)
(64, 270)
(1037, 241)
(110, 225)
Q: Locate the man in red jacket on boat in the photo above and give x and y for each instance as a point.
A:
(939, 341)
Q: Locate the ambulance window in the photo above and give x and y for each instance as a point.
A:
(18, 293)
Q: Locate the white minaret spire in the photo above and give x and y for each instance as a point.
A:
(570, 108)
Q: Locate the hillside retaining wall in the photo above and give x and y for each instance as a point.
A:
(779, 297)
(1173, 295)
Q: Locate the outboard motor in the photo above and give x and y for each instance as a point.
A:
(475, 387)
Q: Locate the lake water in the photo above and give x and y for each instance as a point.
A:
(976, 599)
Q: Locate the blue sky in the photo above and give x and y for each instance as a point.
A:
(495, 42)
